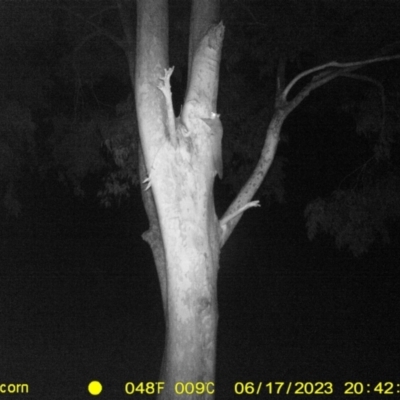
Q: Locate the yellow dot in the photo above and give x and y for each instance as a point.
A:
(95, 388)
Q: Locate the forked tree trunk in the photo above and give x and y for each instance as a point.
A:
(182, 157)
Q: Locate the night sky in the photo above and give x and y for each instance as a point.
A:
(79, 297)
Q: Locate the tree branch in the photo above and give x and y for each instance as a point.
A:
(98, 30)
(334, 64)
(283, 108)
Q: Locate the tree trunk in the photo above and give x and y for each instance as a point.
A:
(182, 157)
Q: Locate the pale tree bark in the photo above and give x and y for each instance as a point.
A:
(182, 157)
